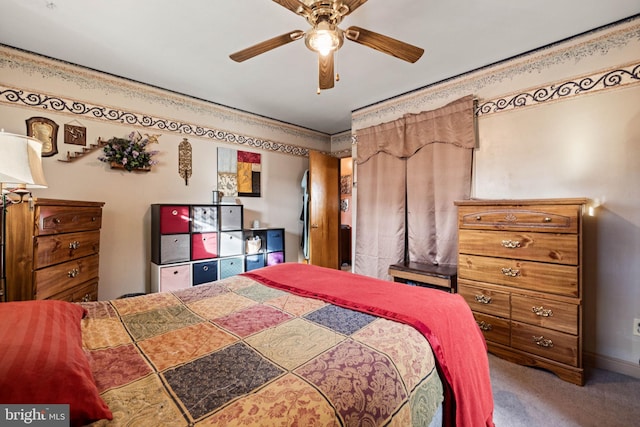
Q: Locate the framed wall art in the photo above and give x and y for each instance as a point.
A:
(46, 131)
(239, 172)
(75, 134)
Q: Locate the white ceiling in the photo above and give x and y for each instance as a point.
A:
(184, 46)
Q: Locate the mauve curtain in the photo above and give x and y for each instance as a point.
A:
(428, 158)
(437, 174)
(380, 216)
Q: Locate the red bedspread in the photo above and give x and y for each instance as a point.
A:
(444, 319)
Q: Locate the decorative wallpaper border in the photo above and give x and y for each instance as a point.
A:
(594, 83)
(80, 108)
(597, 42)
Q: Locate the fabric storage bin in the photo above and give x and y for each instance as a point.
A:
(204, 219)
(275, 240)
(174, 219)
(174, 277)
(254, 261)
(204, 245)
(231, 266)
(275, 258)
(205, 272)
(230, 217)
(174, 248)
(231, 243)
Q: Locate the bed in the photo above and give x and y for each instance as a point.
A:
(286, 345)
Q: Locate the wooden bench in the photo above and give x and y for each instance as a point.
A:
(440, 276)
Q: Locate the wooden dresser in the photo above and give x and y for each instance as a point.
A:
(520, 270)
(53, 250)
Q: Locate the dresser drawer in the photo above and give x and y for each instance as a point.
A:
(546, 313)
(543, 218)
(544, 342)
(174, 219)
(493, 328)
(544, 247)
(174, 248)
(205, 219)
(537, 276)
(57, 248)
(485, 300)
(83, 293)
(65, 219)
(55, 279)
(204, 245)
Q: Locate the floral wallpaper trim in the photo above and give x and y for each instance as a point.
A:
(80, 108)
(34, 64)
(594, 83)
(598, 42)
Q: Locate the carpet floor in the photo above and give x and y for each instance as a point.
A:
(526, 397)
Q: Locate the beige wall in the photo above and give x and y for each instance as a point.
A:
(584, 142)
(125, 238)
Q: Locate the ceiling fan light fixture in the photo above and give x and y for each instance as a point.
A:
(324, 38)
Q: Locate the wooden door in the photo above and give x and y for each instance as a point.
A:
(324, 210)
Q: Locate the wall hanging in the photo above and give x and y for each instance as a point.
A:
(75, 134)
(130, 153)
(184, 160)
(238, 173)
(45, 130)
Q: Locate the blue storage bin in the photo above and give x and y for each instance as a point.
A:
(231, 266)
(205, 272)
(254, 261)
(275, 240)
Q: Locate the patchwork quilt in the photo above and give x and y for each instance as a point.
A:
(239, 353)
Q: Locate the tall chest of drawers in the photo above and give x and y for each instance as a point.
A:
(520, 271)
(53, 250)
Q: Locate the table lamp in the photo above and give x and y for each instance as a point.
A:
(20, 170)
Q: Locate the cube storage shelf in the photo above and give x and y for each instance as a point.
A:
(196, 244)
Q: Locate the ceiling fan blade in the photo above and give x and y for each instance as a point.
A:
(295, 6)
(325, 71)
(384, 44)
(353, 4)
(266, 46)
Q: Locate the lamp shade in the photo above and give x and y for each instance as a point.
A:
(21, 161)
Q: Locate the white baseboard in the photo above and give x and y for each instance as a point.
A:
(612, 364)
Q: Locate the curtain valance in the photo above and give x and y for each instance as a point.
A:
(402, 138)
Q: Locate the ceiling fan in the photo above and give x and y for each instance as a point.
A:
(325, 37)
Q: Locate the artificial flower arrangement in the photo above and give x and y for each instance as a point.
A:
(131, 153)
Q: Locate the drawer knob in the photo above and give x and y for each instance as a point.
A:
(542, 341)
(57, 220)
(86, 298)
(511, 272)
(485, 326)
(174, 212)
(511, 244)
(73, 273)
(478, 218)
(542, 312)
(547, 219)
(205, 268)
(483, 299)
(74, 245)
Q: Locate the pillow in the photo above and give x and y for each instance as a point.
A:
(42, 360)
